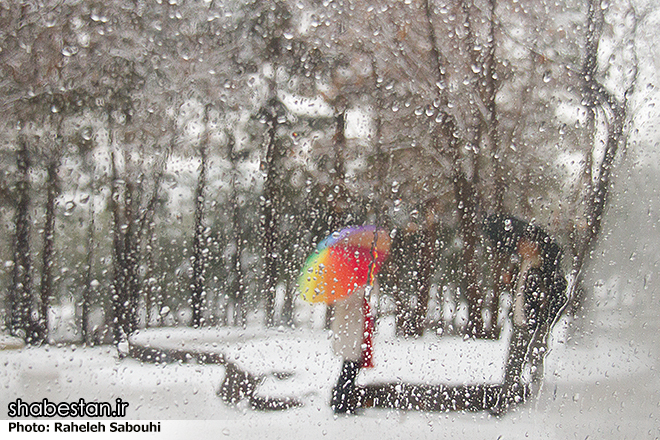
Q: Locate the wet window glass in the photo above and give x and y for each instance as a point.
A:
(316, 218)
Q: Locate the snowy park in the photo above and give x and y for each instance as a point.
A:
(302, 219)
(601, 386)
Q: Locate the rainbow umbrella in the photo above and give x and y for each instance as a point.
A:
(343, 262)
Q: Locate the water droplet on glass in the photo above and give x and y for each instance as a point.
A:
(69, 51)
(87, 133)
(69, 207)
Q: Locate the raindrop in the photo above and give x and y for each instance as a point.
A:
(547, 76)
(476, 68)
(395, 187)
(87, 133)
(69, 51)
(69, 207)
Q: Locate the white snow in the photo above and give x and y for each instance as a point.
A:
(589, 387)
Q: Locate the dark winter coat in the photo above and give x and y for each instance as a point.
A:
(505, 232)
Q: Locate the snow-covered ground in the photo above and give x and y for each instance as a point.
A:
(597, 386)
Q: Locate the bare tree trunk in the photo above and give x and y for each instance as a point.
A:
(145, 233)
(20, 294)
(49, 249)
(424, 274)
(150, 294)
(237, 287)
(118, 253)
(590, 85)
(490, 95)
(125, 278)
(597, 98)
(199, 241)
(464, 191)
(270, 210)
(465, 197)
(381, 166)
(269, 219)
(88, 289)
(131, 256)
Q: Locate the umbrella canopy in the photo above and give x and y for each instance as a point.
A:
(506, 231)
(343, 262)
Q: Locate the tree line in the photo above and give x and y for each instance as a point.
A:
(183, 155)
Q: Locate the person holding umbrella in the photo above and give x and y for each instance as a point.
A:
(342, 272)
(539, 293)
